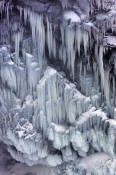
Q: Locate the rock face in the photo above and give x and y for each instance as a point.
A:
(57, 90)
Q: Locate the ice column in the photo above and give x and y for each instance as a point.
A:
(51, 42)
(17, 46)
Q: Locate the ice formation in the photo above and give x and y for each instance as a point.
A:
(57, 92)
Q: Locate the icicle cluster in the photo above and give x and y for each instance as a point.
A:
(101, 4)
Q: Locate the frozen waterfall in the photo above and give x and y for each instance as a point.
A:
(57, 84)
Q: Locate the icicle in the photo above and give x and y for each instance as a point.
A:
(96, 73)
(69, 41)
(114, 90)
(38, 34)
(2, 7)
(51, 42)
(80, 71)
(101, 67)
(65, 4)
(17, 46)
(104, 74)
(54, 48)
(78, 39)
(7, 9)
(85, 41)
(99, 4)
(107, 86)
(49, 37)
(40, 29)
(25, 15)
(43, 123)
(21, 12)
(63, 50)
(62, 31)
(33, 26)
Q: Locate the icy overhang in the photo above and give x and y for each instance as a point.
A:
(71, 16)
